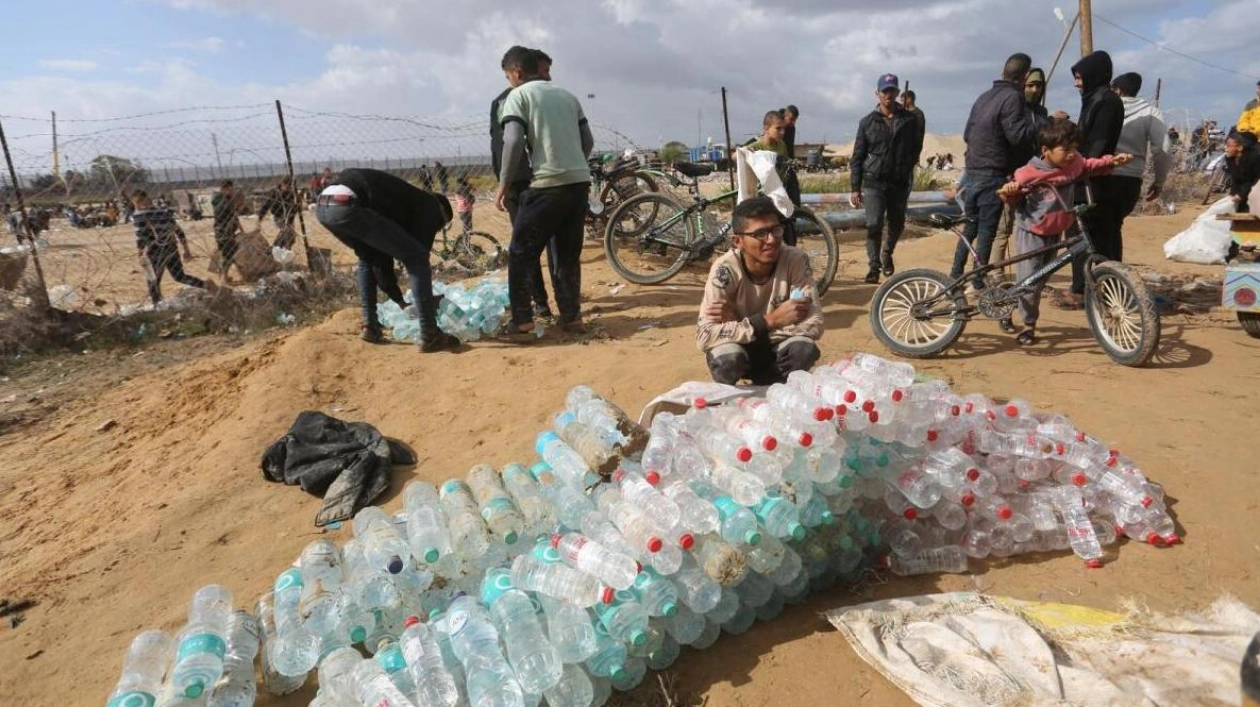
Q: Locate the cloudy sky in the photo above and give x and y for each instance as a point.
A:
(651, 69)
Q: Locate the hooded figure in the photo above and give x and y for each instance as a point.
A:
(1102, 113)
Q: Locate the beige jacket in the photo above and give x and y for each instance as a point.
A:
(729, 282)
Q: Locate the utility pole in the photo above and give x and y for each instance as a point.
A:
(1087, 29)
(214, 139)
(1159, 87)
(56, 155)
(730, 150)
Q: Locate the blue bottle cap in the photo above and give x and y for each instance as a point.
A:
(496, 582)
(544, 439)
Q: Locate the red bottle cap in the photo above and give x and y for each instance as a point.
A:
(1012, 411)
(1080, 435)
(850, 396)
(743, 454)
(824, 414)
(897, 395)
(868, 405)
(968, 500)
(973, 474)
(1172, 539)
(1147, 501)
(932, 435)
(411, 621)
(700, 403)
(555, 540)
(654, 544)
(768, 443)
(1094, 564)
(806, 439)
(991, 415)
(607, 596)
(652, 477)
(969, 408)
(1152, 538)
(686, 541)
(1060, 449)
(1080, 479)
(955, 411)
(874, 416)
(911, 513)
(842, 410)
(1004, 512)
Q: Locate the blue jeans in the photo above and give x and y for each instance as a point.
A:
(557, 213)
(983, 209)
(371, 236)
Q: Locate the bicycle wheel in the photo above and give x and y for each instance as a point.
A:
(652, 248)
(815, 237)
(900, 318)
(480, 251)
(1122, 314)
(628, 186)
(1250, 322)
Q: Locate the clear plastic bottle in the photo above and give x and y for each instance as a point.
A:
(625, 619)
(895, 373)
(295, 650)
(1080, 529)
(336, 674)
(745, 488)
(570, 504)
(638, 530)
(918, 488)
(497, 509)
(426, 525)
(373, 687)
(638, 492)
(570, 629)
(202, 645)
(685, 625)
(558, 581)
(532, 656)
(574, 689)
(470, 538)
(389, 655)
(696, 588)
(723, 562)
(540, 516)
(657, 594)
(609, 658)
(274, 682)
(237, 687)
(320, 564)
(780, 517)
(143, 668)
(697, 514)
(739, 525)
(567, 464)
(950, 559)
(382, 545)
(810, 407)
(613, 569)
(490, 680)
(435, 686)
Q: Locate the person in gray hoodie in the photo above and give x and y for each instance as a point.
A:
(1145, 136)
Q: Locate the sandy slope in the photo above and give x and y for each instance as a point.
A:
(111, 532)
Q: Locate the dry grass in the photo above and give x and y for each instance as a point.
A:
(657, 690)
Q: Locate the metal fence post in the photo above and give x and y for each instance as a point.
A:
(288, 161)
(40, 298)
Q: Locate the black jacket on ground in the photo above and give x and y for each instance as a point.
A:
(1000, 130)
(884, 156)
(416, 210)
(1102, 111)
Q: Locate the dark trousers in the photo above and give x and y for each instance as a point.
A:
(228, 245)
(371, 236)
(287, 235)
(792, 185)
(557, 213)
(538, 288)
(165, 258)
(885, 204)
(763, 362)
(1114, 199)
(376, 272)
(983, 209)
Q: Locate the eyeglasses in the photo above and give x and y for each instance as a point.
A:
(762, 234)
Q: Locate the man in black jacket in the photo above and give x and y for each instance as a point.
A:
(999, 130)
(282, 204)
(1102, 118)
(884, 155)
(380, 217)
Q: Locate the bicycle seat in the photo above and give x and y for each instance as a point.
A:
(693, 170)
(945, 220)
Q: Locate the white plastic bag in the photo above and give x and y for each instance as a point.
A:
(753, 168)
(1206, 241)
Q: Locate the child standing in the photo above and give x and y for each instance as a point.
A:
(1044, 190)
(464, 200)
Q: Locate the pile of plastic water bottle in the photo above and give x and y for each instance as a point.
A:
(466, 313)
(512, 587)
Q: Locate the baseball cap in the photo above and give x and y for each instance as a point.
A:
(887, 81)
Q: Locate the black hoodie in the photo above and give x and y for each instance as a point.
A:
(1102, 111)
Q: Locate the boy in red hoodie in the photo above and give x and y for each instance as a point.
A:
(1043, 191)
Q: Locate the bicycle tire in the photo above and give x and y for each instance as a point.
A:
(655, 252)
(480, 251)
(818, 241)
(1122, 314)
(906, 335)
(623, 187)
(1250, 322)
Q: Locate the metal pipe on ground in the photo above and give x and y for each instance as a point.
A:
(916, 197)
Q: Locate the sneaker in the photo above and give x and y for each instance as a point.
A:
(573, 326)
(872, 277)
(888, 268)
(439, 341)
(371, 334)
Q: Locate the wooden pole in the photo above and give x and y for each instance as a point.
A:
(730, 150)
(1087, 29)
(39, 297)
(1159, 87)
(288, 161)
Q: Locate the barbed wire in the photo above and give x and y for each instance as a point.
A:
(1171, 50)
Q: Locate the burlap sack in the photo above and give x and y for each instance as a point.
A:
(12, 265)
(253, 256)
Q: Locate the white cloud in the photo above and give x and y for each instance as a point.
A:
(68, 64)
(205, 44)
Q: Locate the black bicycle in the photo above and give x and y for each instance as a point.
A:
(920, 313)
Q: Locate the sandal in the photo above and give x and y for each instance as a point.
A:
(1007, 326)
(1027, 337)
(1066, 301)
(510, 331)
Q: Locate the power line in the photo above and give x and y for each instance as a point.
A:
(1163, 47)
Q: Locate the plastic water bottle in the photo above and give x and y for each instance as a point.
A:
(625, 619)
(426, 526)
(898, 374)
(490, 681)
(616, 570)
(567, 464)
(237, 687)
(569, 628)
(273, 681)
(609, 658)
(697, 590)
(745, 488)
(950, 558)
(199, 656)
(143, 668)
(569, 503)
(382, 546)
(637, 491)
(434, 683)
(696, 514)
(320, 565)
(470, 538)
(531, 655)
(497, 509)
(658, 595)
(720, 560)
(558, 581)
(780, 517)
(294, 650)
(1080, 530)
(584, 440)
(739, 525)
(372, 686)
(574, 689)
(638, 530)
(389, 655)
(540, 515)
(685, 625)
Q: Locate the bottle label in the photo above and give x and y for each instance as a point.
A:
(454, 486)
(456, 622)
(201, 643)
(289, 578)
(133, 698)
(496, 506)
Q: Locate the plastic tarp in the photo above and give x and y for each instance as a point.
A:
(1206, 241)
(756, 168)
(971, 650)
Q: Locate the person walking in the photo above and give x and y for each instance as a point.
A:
(444, 179)
(1000, 130)
(282, 203)
(1145, 136)
(884, 155)
(226, 206)
(909, 102)
(551, 122)
(384, 218)
(157, 236)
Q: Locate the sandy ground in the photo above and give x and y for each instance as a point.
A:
(111, 531)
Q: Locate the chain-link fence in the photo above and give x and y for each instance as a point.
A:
(76, 178)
